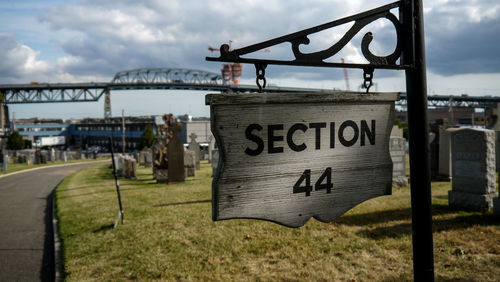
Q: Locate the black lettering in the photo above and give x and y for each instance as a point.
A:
(354, 126)
(366, 131)
(332, 135)
(289, 137)
(254, 138)
(307, 188)
(271, 138)
(318, 126)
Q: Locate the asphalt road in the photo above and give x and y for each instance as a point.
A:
(26, 236)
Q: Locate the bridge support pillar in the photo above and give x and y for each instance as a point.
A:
(107, 104)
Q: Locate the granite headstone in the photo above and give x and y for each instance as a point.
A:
(195, 147)
(473, 169)
(175, 152)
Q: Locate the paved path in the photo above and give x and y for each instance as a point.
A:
(26, 237)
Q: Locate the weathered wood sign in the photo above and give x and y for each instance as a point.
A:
(289, 157)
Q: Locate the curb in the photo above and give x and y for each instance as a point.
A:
(49, 166)
(58, 274)
(58, 267)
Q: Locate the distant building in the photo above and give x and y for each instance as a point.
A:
(91, 132)
(198, 126)
(84, 133)
(40, 134)
(456, 117)
(96, 132)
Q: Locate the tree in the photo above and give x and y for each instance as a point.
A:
(147, 137)
(15, 141)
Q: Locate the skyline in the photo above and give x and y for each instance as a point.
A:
(90, 40)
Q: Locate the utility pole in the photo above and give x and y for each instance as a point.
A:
(123, 131)
(13, 121)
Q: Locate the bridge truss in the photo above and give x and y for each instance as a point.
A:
(181, 79)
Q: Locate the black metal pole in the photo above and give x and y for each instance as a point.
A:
(116, 181)
(416, 88)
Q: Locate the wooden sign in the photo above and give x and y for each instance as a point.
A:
(289, 157)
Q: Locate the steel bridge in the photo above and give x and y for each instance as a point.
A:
(181, 79)
(161, 78)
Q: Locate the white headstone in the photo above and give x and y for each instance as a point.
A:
(398, 155)
(445, 153)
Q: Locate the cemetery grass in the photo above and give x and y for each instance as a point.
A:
(19, 167)
(169, 235)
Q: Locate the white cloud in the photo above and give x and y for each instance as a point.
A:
(20, 61)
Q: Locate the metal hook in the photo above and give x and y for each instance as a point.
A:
(367, 77)
(260, 71)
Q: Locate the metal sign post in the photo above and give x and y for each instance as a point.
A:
(410, 50)
(412, 17)
(120, 212)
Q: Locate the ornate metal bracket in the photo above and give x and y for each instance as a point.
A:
(316, 59)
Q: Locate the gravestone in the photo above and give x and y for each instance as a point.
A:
(195, 147)
(78, 154)
(445, 154)
(473, 169)
(398, 155)
(434, 150)
(52, 155)
(148, 159)
(396, 131)
(129, 168)
(5, 163)
(215, 160)
(44, 156)
(211, 147)
(30, 158)
(190, 163)
(38, 158)
(496, 206)
(497, 148)
(160, 163)
(175, 152)
(142, 158)
(120, 166)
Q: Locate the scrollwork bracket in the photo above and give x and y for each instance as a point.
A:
(317, 59)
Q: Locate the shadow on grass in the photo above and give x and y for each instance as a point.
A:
(442, 197)
(103, 228)
(389, 215)
(439, 225)
(113, 190)
(79, 188)
(183, 203)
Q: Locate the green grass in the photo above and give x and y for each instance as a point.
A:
(18, 167)
(169, 235)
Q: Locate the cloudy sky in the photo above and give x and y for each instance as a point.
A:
(90, 40)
